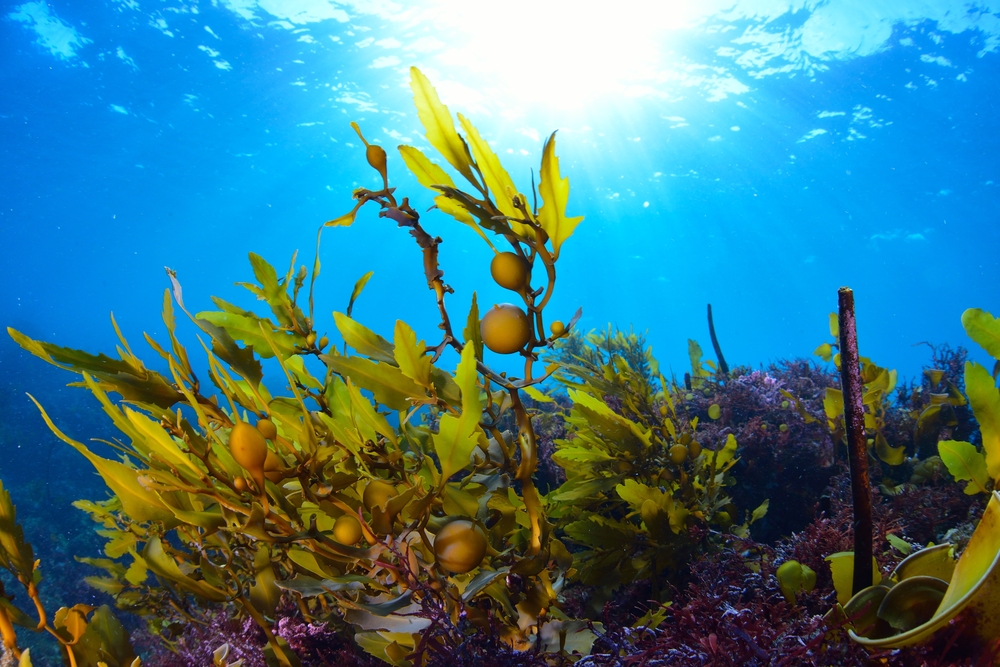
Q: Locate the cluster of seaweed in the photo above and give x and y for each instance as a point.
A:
(382, 509)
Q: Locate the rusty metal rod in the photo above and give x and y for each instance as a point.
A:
(857, 440)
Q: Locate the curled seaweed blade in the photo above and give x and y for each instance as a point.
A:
(912, 602)
(937, 561)
(975, 585)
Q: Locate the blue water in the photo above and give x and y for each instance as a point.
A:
(754, 155)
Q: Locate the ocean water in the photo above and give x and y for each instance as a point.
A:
(752, 155)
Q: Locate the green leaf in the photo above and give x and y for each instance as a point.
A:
(635, 494)
(481, 581)
(899, 544)
(312, 587)
(410, 355)
(246, 328)
(390, 386)
(467, 378)
(138, 503)
(163, 565)
(157, 441)
(579, 487)
(439, 128)
(137, 572)
(983, 328)
(242, 360)
(364, 340)
(473, 333)
(725, 458)
(760, 511)
(600, 533)
(16, 555)
(694, 354)
(133, 381)
(297, 365)
(985, 400)
(356, 292)
(363, 409)
(554, 190)
(965, 463)
(387, 607)
(264, 594)
(458, 436)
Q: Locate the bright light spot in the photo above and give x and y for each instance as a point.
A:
(569, 52)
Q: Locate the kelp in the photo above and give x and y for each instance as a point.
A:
(377, 436)
(88, 636)
(638, 480)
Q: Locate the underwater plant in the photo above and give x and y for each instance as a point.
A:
(928, 588)
(967, 463)
(379, 493)
(88, 636)
(642, 492)
(879, 384)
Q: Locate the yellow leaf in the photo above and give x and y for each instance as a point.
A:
(760, 511)
(390, 386)
(497, 179)
(449, 206)
(428, 174)
(411, 355)
(160, 442)
(356, 292)
(554, 190)
(824, 351)
(983, 328)
(345, 220)
(725, 458)
(894, 456)
(467, 379)
(363, 339)
(834, 325)
(965, 463)
(537, 395)
(833, 403)
(985, 401)
(138, 503)
(458, 436)
(164, 565)
(72, 621)
(438, 124)
(363, 409)
(264, 594)
(842, 569)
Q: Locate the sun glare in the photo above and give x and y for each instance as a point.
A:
(560, 53)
